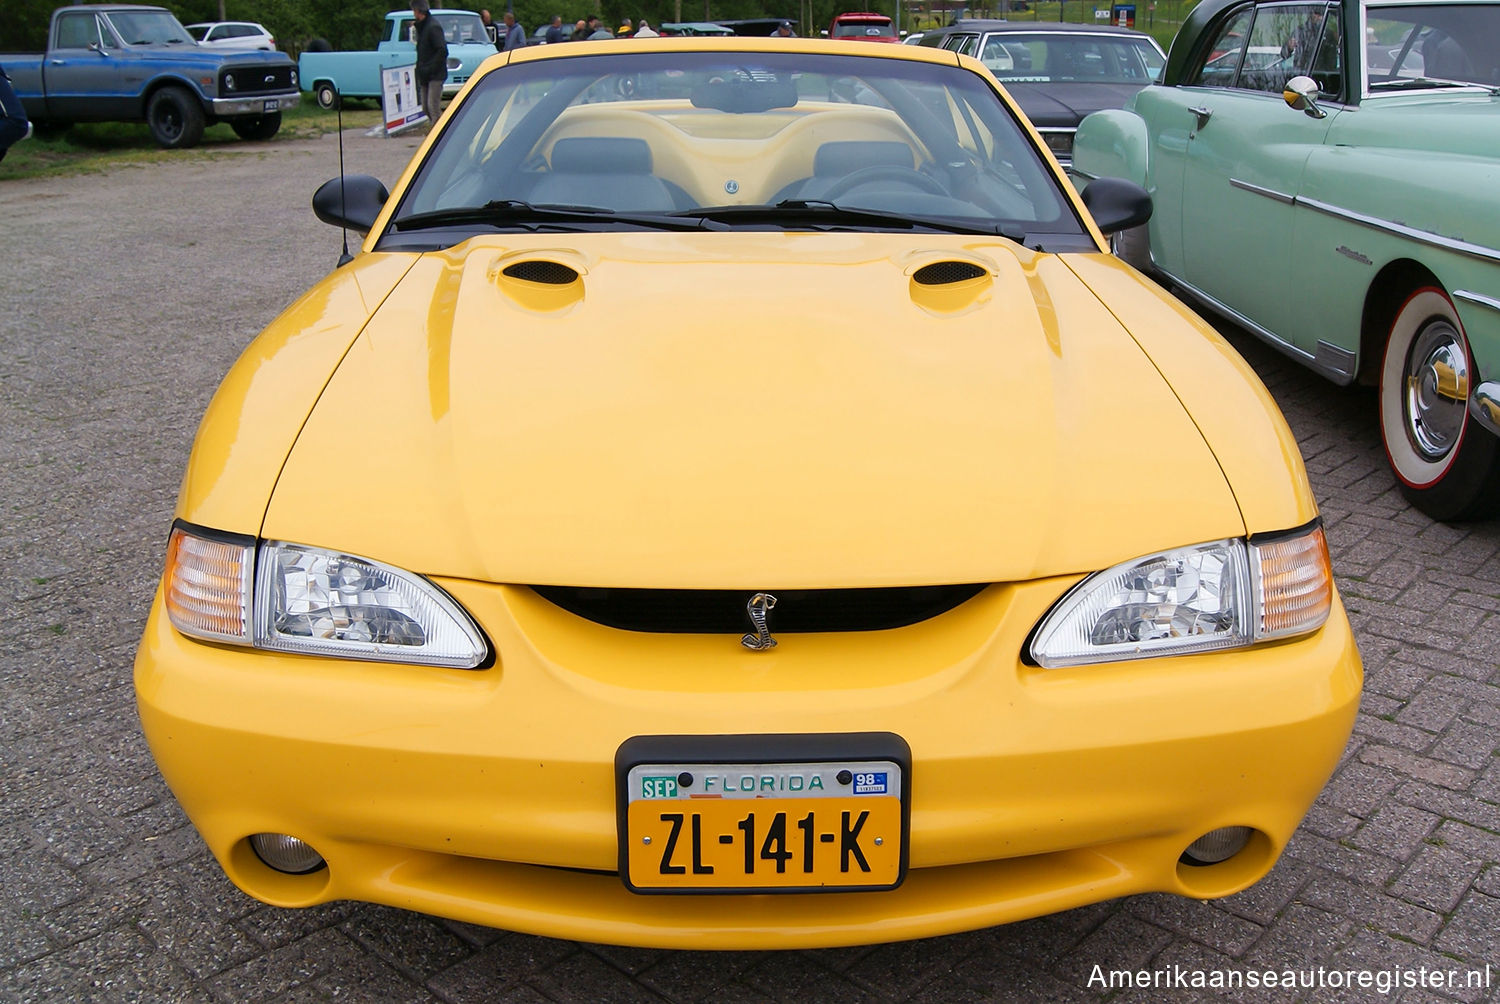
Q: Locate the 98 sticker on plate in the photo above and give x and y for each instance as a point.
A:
(763, 827)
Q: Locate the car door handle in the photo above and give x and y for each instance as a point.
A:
(1202, 114)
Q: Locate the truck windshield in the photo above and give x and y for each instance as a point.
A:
(460, 28)
(149, 27)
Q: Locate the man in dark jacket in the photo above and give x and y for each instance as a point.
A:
(13, 124)
(432, 60)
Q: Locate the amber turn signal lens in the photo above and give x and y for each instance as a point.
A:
(1296, 584)
(207, 587)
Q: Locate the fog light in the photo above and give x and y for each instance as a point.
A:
(286, 853)
(1217, 845)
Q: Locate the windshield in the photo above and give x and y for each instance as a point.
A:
(461, 28)
(864, 29)
(1436, 42)
(765, 139)
(1050, 58)
(149, 27)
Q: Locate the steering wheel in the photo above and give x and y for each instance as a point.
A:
(883, 172)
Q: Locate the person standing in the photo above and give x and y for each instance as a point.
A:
(556, 32)
(645, 30)
(14, 125)
(491, 29)
(581, 31)
(432, 60)
(515, 35)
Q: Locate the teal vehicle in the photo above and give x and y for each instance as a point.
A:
(330, 75)
(1328, 176)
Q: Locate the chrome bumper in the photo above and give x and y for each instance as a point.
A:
(255, 104)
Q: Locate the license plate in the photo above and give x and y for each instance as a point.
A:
(770, 824)
(272, 105)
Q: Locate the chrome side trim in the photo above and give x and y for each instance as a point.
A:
(1318, 364)
(1331, 358)
(1427, 237)
(1401, 230)
(1484, 405)
(1269, 193)
(1479, 298)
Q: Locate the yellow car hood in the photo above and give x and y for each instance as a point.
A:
(747, 411)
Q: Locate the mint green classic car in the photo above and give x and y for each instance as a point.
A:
(1328, 176)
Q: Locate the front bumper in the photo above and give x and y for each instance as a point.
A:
(255, 104)
(488, 796)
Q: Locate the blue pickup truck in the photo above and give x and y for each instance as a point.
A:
(357, 74)
(125, 63)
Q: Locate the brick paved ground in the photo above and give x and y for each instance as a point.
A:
(126, 295)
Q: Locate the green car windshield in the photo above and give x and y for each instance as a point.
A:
(1420, 44)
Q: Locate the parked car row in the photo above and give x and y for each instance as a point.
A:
(1325, 175)
(1058, 73)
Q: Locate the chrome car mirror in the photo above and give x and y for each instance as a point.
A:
(1302, 93)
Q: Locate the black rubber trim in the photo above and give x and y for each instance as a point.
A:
(218, 536)
(768, 748)
(1271, 536)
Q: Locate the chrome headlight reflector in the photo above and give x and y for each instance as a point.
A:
(314, 601)
(1223, 594)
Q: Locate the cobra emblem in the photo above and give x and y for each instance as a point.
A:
(760, 604)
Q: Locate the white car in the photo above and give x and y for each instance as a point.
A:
(233, 35)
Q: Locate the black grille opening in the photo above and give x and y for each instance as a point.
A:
(257, 80)
(550, 272)
(722, 611)
(942, 273)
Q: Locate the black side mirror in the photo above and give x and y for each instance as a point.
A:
(1117, 204)
(353, 202)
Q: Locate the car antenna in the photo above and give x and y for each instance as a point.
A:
(338, 103)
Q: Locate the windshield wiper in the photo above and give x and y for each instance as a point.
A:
(1421, 83)
(513, 212)
(820, 213)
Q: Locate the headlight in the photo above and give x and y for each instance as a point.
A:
(454, 63)
(228, 81)
(313, 601)
(294, 77)
(1223, 594)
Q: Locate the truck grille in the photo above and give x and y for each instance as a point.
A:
(262, 79)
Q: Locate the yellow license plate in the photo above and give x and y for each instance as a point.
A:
(788, 826)
(765, 844)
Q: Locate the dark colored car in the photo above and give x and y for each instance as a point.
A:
(1058, 73)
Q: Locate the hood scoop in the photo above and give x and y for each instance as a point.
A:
(950, 285)
(544, 285)
(548, 273)
(946, 273)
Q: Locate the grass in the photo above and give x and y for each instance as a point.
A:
(95, 146)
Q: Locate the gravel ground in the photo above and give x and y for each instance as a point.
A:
(128, 294)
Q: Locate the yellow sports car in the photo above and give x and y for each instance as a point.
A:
(734, 500)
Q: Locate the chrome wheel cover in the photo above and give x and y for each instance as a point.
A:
(1436, 390)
